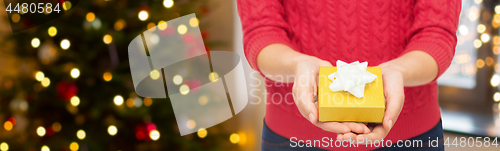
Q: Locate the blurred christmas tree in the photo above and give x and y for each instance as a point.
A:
(74, 90)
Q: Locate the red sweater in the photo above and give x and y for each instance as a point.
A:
(356, 30)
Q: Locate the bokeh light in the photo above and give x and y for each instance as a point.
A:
(143, 15)
(119, 24)
(75, 73)
(190, 124)
(39, 76)
(148, 101)
(8, 125)
(194, 22)
(213, 76)
(168, 3)
(107, 76)
(182, 29)
(118, 100)
(40, 131)
(75, 101)
(177, 79)
(65, 44)
(202, 133)
(184, 89)
(162, 25)
(56, 127)
(154, 135)
(80, 134)
(16, 17)
(74, 146)
(45, 148)
(90, 16)
(112, 130)
(45, 82)
(154, 74)
(234, 138)
(35, 42)
(107, 39)
(52, 31)
(496, 97)
(4, 146)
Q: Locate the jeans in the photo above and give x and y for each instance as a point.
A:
(274, 142)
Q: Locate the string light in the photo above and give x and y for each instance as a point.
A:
(193, 22)
(45, 148)
(15, 18)
(143, 15)
(75, 101)
(496, 96)
(65, 44)
(177, 79)
(39, 76)
(477, 43)
(213, 76)
(45, 82)
(168, 3)
(35, 42)
(8, 125)
(489, 61)
(190, 124)
(75, 73)
(107, 39)
(56, 127)
(4, 146)
(203, 100)
(90, 16)
(74, 146)
(184, 89)
(151, 26)
(480, 63)
(495, 80)
(154, 74)
(107, 76)
(112, 130)
(463, 30)
(481, 28)
(80, 134)
(66, 5)
(202, 133)
(40, 131)
(52, 31)
(118, 100)
(182, 29)
(162, 25)
(154, 135)
(148, 101)
(234, 138)
(120, 24)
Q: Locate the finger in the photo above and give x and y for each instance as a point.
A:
(335, 127)
(378, 133)
(394, 102)
(340, 137)
(350, 136)
(324, 63)
(356, 127)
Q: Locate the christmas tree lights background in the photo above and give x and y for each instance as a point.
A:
(66, 84)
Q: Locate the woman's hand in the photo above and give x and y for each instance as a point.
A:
(394, 96)
(305, 91)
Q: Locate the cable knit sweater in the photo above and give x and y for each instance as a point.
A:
(352, 30)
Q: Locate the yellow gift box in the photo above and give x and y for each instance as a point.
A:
(342, 106)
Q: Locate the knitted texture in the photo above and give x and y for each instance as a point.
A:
(357, 30)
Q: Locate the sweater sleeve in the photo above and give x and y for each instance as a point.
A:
(263, 24)
(434, 30)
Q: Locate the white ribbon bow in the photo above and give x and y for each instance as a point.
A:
(351, 77)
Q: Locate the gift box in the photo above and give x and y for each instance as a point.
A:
(343, 106)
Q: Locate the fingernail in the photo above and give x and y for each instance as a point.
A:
(311, 117)
(390, 124)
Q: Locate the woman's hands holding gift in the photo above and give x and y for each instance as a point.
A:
(304, 93)
(394, 96)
